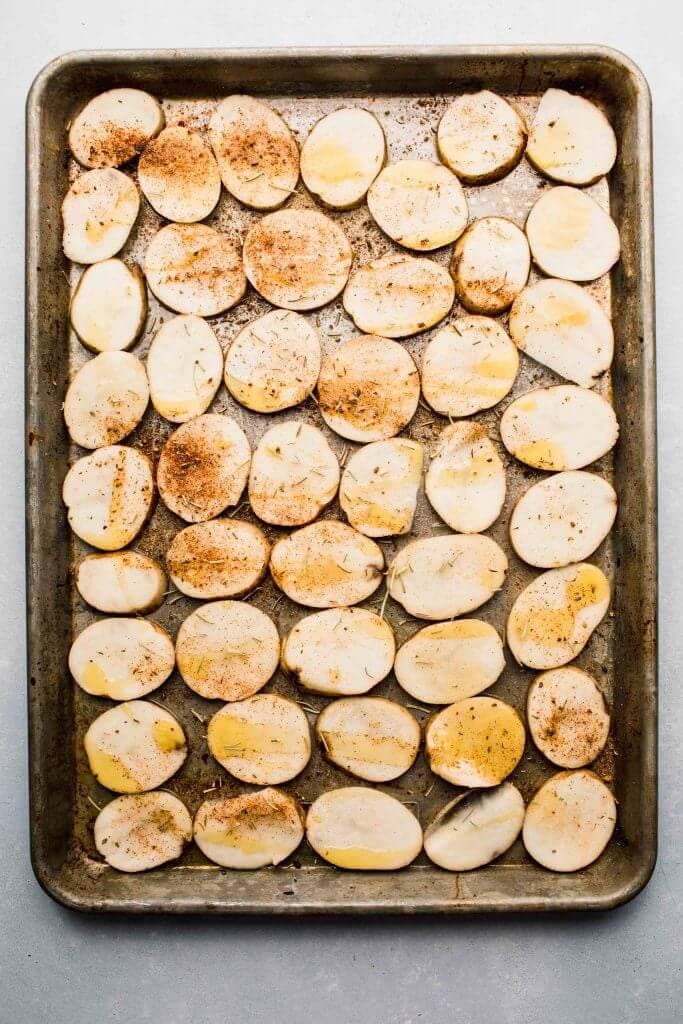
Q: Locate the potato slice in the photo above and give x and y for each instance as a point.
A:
(552, 620)
(122, 659)
(419, 204)
(342, 156)
(372, 738)
(106, 399)
(570, 236)
(465, 482)
(203, 467)
(294, 474)
(114, 126)
(109, 496)
(363, 829)
(179, 176)
(568, 717)
(562, 519)
(256, 152)
(571, 140)
(368, 389)
(559, 428)
(327, 565)
(134, 747)
(469, 365)
(398, 295)
(262, 740)
(441, 577)
(122, 583)
(475, 828)
(450, 661)
(227, 650)
(379, 487)
(142, 831)
(339, 652)
(480, 137)
(109, 306)
(273, 362)
(253, 830)
(192, 268)
(570, 821)
(475, 742)
(98, 212)
(490, 265)
(221, 558)
(185, 366)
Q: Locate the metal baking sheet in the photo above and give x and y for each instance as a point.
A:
(407, 90)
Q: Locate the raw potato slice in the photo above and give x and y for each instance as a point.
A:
(370, 737)
(339, 652)
(465, 482)
(98, 211)
(263, 740)
(297, 259)
(274, 362)
(221, 558)
(342, 156)
(418, 203)
(123, 583)
(227, 650)
(475, 742)
(192, 268)
(122, 659)
(475, 828)
(179, 175)
(142, 831)
(562, 519)
(450, 661)
(294, 474)
(570, 821)
(568, 717)
(106, 399)
(480, 137)
(250, 831)
(560, 325)
(552, 620)
(571, 140)
(114, 127)
(134, 747)
(469, 365)
(490, 265)
(203, 467)
(441, 577)
(379, 487)
(109, 496)
(185, 366)
(368, 389)
(398, 295)
(363, 830)
(571, 236)
(256, 152)
(109, 306)
(327, 565)
(559, 428)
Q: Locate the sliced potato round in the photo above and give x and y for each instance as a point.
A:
(98, 212)
(114, 126)
(379, 487)
(570, 821)
(122, 659)
(263, 740)
(418, 203)
(553, 618)
(370, 737)
(559, 428)
(475, 828)
(339, 652)
(480, 137)
(203, 467)
(327, 565)
(441, 577)
(253, 830)
(562, 519)
(109, 496)
(342, 156)
(122, 583)
(570, 236)
(363, 830)
(368, 389)
(179, 175)
(227, 650)
(221, 558)
(450, 661)
(134, 747)
(109, 306)
(192, 268)
(398, 295)
(294, 474)
(571, 140)
(273, 363)
(490, 265)
(568, 717)
(106, 399)
(142, 831)
(475, 742)
(185, 366)
(465, 482)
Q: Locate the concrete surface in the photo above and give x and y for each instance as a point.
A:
(619, 968)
